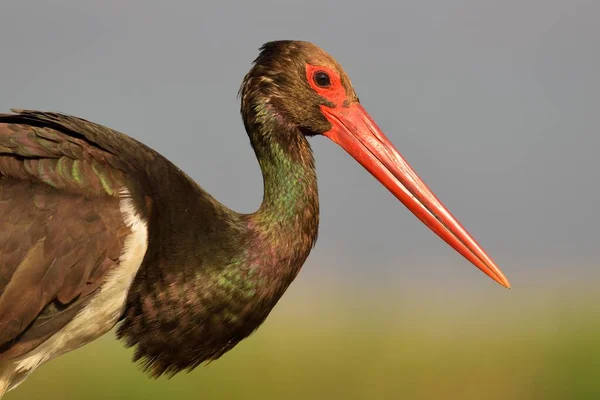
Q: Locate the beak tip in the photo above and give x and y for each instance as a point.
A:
(501, 279)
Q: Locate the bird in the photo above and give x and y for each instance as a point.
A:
(98, 230)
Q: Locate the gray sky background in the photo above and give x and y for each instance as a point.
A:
(495, 104)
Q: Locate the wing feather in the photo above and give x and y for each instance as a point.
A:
(61, 227)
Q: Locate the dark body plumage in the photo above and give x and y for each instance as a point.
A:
(209, 277)
(97, 228)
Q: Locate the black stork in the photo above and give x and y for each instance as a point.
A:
(96, 228)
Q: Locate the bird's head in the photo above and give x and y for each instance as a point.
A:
(293, 80)
(298, 86)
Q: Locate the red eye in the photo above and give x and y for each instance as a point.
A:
(322, 79)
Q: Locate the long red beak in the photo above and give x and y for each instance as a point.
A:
(357, 133)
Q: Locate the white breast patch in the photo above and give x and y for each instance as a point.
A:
(104, 309)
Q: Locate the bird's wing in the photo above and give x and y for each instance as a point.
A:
(61, 225)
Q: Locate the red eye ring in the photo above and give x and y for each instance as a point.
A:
(335, 92)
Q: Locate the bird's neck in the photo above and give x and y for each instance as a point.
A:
(284, 229)
(211, 276)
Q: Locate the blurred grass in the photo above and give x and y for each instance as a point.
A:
(324, 345)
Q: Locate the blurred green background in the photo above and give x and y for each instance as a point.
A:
(325, 341)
